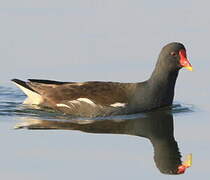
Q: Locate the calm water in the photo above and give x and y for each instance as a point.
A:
(108, 40)
(145, 145)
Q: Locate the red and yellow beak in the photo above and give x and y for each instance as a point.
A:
(184, 62)
(185, 165)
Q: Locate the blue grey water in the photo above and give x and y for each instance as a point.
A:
(100, 40)
(101, 151)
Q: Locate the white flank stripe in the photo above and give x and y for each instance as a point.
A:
(86, 100)
(85, 121)
(62, 105)
(117, 104)
(74, 102)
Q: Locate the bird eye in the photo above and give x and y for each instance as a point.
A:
(173, 53)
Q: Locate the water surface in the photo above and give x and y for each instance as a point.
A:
(117, 40)
(144, 145)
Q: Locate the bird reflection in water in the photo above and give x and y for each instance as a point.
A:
(157, 126)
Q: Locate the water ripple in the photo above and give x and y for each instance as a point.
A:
(11, 105)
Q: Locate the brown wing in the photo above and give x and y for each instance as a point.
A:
(103, 93)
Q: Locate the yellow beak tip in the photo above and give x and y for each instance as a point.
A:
(189, 68)
(188, 162)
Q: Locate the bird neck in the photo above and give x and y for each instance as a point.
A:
(163, 77)
(162, 83)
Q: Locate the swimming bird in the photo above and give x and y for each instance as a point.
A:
(98, 98)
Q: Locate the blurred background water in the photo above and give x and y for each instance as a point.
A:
(99, 40)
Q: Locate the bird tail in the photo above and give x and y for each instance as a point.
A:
(33, 96)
